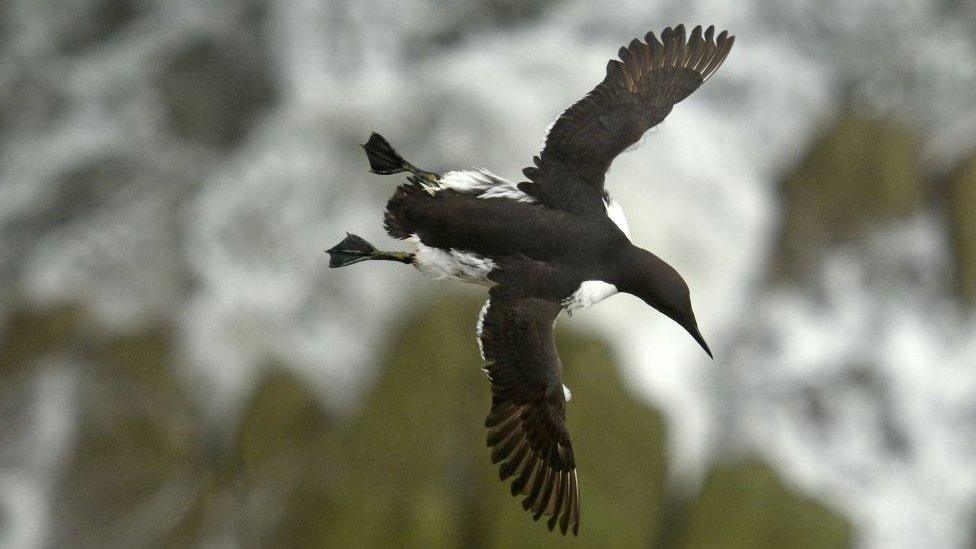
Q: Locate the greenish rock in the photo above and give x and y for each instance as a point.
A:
(283, 419)
(30, 334)
(137, 473)
(862, 172)
(284, 463)
(962, 219)
(620, 445)
(747, 506)
(416, 471)
(410, 468)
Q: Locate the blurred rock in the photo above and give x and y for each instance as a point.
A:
(86, 24)
(5, 21)
(511, 12)
(414, 465)
(31, 342)
(621, 447)
(284, 462)
(137, 473)
(29, 335)
(458, 19)
(747, 506)
(215, 90)
(103, 183)
(418, 473)
(962, 218)
(29, 100)
(411, 460)
(283, 420)
(92, 184)
(860, 173)
(410, 469)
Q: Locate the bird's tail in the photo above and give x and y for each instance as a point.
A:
(384, 160)
(352, 249)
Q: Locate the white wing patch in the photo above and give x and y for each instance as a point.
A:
(616, 214)
(454, 264)
(480, 182)
(589, 293)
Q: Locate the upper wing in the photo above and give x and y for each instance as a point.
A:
(637, 93)
(526, 425)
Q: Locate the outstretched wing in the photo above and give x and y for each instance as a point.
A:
(637, 93)
(527, 423)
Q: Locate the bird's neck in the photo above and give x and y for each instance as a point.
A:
(641, 273)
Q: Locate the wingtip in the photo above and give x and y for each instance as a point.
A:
(701, 51)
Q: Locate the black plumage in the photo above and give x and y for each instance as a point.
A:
(637, 93)
(546, 245)
(526, 425)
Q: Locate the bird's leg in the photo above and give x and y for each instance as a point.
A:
(354, 249)
(426, 176)
(401, 257)
(384, 160)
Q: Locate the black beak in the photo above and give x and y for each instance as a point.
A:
(693, 330)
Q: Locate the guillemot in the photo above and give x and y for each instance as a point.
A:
(556, 242)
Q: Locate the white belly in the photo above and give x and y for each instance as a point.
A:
(588, 294)
(616, 214)
(452, 264)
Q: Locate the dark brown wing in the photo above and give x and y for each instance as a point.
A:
(637, 93)
(526, 426)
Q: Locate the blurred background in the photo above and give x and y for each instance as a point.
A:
(180, 368)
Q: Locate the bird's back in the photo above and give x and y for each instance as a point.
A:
(500, 226)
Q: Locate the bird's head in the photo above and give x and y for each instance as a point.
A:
(648, 277)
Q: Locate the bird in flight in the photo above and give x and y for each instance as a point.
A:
(556, 242)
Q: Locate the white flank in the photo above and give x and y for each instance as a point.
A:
(479, 329)
(480, 182)
(453, 264)
(510, 191)
(469, 181)
(589, 293)
(567, 393)
(616, 214)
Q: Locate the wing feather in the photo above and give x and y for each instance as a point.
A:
(527, 422)
(638, 92)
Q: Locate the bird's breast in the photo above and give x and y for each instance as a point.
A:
(589, 293)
